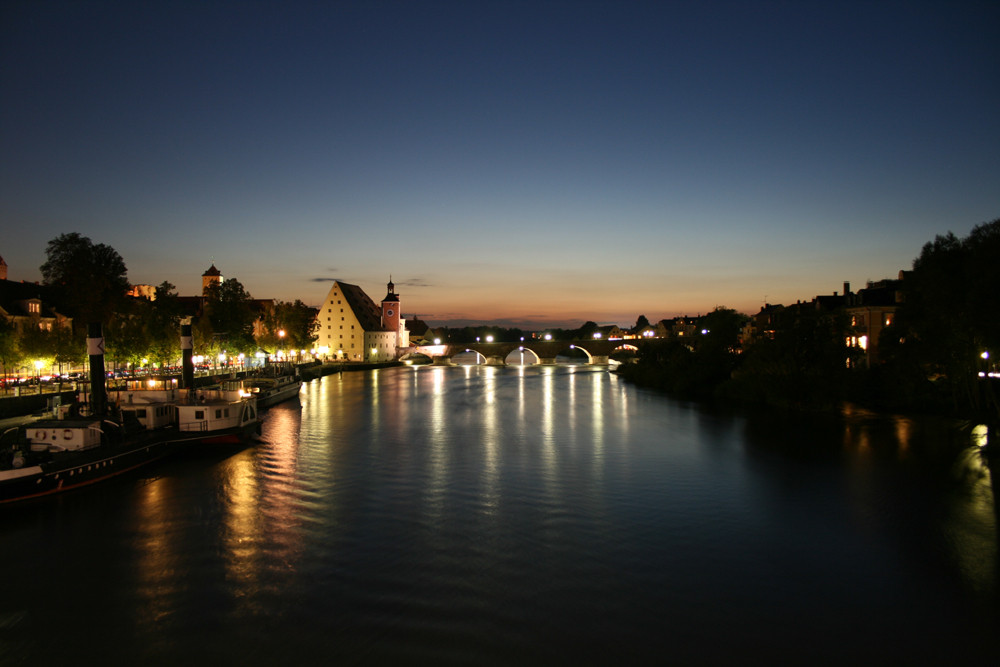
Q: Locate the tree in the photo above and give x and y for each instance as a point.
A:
(163, 325)
(640, 324)
(90, 281)
(10, 356)
(721, 329)
(125, 341)
(69, 347)
(950, 316)
(296, 319)
(229, 317)
(804, 365)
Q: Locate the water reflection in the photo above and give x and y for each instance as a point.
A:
(535, 515)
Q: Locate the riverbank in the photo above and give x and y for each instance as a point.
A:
(318, 370)
(730, 379)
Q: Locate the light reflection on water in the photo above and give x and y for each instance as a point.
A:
(529, 515)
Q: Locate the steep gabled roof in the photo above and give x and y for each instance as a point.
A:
(368, 314)
(11, 291)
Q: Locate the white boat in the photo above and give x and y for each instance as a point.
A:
(221, 413)
(225, 413)
(271, 390)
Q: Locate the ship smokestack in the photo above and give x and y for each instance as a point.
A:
(95, 348)
(187, 363)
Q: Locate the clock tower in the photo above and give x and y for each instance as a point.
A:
(390, 309)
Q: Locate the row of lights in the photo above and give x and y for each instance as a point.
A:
(985, 356)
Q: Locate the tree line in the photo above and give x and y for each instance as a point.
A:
(88, 282)
(931, 357)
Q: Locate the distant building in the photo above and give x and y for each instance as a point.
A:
(761, 326)
(609, 332)
(351, 326)
(28, 305)
(3, 269)
(211, 277)
(870, 311)
(418, 330)
(193, 307)
(147, 292)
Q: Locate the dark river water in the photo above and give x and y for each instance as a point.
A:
(546, 515)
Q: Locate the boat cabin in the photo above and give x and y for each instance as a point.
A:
(64, 435)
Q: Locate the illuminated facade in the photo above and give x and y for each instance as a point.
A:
(353, 328)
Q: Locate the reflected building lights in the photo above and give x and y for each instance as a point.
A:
(597, 427)
(158, 562)
(491, 436)
(438, 450)
(243, 535)
(548, 427)
(904, 432)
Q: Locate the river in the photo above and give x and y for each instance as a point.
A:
(538, 515)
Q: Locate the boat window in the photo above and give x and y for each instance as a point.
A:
(218, 414)
(199, 414)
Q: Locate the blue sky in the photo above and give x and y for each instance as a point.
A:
(518, 162)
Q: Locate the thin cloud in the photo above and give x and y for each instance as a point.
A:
(415, 282)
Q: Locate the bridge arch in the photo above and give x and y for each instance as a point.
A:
(522, 356)
(462, 358)
(415, 358)
(573, 352)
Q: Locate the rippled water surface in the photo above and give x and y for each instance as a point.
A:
(508, 516)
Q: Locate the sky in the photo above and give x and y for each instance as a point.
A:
(528, 164)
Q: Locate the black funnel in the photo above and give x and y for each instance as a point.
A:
(187, 364)
(95, 348)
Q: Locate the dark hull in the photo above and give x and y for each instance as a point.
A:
(69, 471)
(234, 436)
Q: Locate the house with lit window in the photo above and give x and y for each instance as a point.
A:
(352, 327)
(871, 310)
(609, 332)
(27, 305)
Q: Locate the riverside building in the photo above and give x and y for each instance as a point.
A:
(352, 327)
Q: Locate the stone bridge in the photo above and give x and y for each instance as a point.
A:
(494, 354)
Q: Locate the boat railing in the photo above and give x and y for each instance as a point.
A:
(200, 425)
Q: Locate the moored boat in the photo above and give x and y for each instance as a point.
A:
(93, 441)
(55, 455)
(272, 390)
(225, 413)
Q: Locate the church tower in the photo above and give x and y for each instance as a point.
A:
(390, 309)
(210, 277)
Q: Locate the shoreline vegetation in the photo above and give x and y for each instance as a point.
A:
(937, 356)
